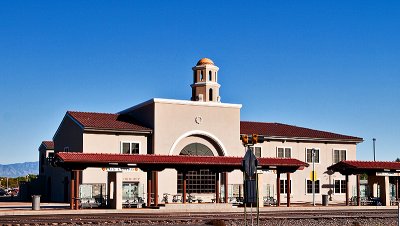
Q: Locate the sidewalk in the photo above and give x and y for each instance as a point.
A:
(25, 208)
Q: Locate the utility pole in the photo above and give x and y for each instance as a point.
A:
(373, 146)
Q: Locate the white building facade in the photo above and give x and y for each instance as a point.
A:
(199, 126)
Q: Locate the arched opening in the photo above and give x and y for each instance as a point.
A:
(201, 76)
(194, 76)
(200, 180)
(209, 76)
(210, 94)
(216, 78)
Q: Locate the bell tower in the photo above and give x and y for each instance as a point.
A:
(205, 85)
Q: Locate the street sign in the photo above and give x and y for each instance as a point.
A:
(249, 163)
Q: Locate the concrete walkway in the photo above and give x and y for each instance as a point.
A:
(25, 208)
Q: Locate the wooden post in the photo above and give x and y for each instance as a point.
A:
(278, 188)
(184, 187)
(347, 190)
(288, 190)
(149, 175)
(72, 192)
(217, 187)
(77, 182)
(155, 181)
(358, 191)
(226, 187)
(397, 189)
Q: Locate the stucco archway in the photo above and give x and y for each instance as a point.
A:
(208, 139)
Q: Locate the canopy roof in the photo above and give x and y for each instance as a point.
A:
(77, 160)
(348, 167)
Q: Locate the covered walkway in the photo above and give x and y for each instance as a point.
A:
(379, 174)
(152, 164)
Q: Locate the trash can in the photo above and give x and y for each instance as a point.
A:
(35, 202)
(325, 200)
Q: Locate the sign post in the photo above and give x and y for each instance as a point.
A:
(313, 175)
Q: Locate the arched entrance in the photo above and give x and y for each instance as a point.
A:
(200, 180)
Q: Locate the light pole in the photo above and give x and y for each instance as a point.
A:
(373, 146)
(313, 175)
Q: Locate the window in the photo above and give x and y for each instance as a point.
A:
(209, 76)
(201, 75)
(197, 181)
(340, 186)
(309, 155)
(66, 149)
(194, 77)
(256, 151)
(210, 95)
(129, 148)
(284, 186)
(339, 155)
(216, 78)
(309, 187)
(284, 153)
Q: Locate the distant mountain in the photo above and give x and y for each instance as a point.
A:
(19, 169)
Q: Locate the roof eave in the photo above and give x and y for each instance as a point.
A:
(113, 130)
(280, 138)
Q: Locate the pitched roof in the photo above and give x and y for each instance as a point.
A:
(49, 145)
(169, 161)
(107, 121)
(353, 166)
(279, 130)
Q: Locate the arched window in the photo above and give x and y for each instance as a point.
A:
(209, 76)
(201, 75)
(216, 78)
(194, 76)
(210, 94)
(200, 180)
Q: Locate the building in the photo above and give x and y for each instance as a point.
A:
(200, 126)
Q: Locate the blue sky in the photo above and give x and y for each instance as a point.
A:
(327, 65)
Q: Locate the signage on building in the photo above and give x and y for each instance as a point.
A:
(117, 169)
(388, 174)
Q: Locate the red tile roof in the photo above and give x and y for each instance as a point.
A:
(49, 145)
(365, 165)
(169, 160)
(279, 130)
(106, 121)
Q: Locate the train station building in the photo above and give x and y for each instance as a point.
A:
(105, 152)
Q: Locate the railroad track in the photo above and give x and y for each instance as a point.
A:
(118, 218)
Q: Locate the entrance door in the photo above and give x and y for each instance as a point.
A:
(130, 191)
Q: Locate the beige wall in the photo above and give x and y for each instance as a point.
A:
(176, 120)
(269, 149)
(69, 134)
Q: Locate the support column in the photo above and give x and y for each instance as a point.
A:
(217, 187)
(184, 187)
(358, 191)
(225, 187)
(114, 192)
(118, 190)
(397, 188)
(288, 190)
(149, 177)
(347, 190)
(278, 188)
(155, 181)
(77, 183)
(72, 191)
(385, 197)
